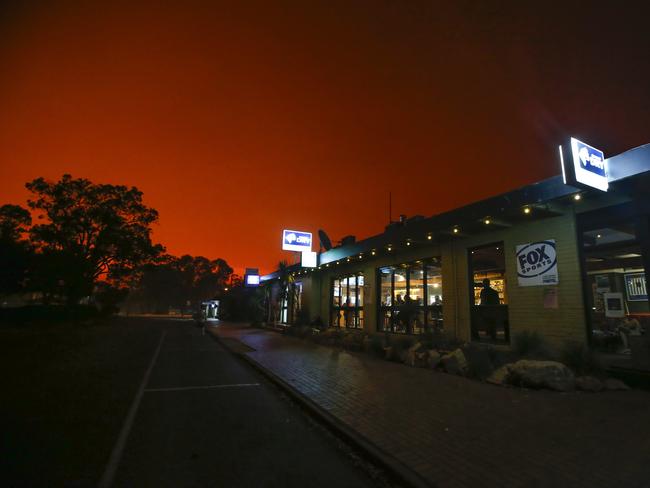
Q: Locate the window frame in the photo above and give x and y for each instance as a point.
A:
(425, 310)
(356, 317)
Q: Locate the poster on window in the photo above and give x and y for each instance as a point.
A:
(635, 286)
(537, 263)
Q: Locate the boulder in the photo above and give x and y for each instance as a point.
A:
(614, 384)
(542, 374)
(479, 364)
(433, 358)
(454, 362)
(501, 376)
(421, 359)
(410, 355)
(589, 383)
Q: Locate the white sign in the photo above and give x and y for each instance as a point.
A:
(309, 259)
(295, 240)
(589, 166)
(252, 280)
(614, 305)
(537, 263)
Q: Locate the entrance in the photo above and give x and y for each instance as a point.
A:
(488, 294)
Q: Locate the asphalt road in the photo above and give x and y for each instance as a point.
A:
(206, 419)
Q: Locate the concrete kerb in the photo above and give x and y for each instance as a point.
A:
(393, 466)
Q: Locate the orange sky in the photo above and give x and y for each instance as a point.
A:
(238, 119)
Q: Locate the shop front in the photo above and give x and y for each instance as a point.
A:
(568, 262)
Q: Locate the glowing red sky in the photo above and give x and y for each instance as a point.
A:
(242, 118)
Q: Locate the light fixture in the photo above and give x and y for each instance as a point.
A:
(373, 252)
(348, 260)
(429, 237)
(487, 221)
(598, 236)
(390, 248)
(526, 210)
(225, 289)
(360, 256)
(408, 243)
(327, 265)
(456, 230)
(577, 197)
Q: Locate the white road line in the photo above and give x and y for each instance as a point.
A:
(209, 387)
(116, 454)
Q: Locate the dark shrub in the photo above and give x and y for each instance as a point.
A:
(530, 344)
(581, 359)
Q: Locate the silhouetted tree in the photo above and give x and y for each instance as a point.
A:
(89, 231)
(180, 282)
(15, 251)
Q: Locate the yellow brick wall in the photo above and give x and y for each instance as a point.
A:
(525, 304)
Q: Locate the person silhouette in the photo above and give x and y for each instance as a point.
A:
(489, 296)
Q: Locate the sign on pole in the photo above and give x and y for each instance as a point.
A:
(294, 240)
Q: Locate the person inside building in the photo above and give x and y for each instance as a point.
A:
(489, 297)
(347, 312)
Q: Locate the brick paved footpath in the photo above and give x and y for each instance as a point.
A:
(456, 432)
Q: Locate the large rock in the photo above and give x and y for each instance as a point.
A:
(410, 355)
(614, 384)
(421, 359)
(433, 358)
(589, 383)
(409, 358)
(501, 376)
(479, 364)
(455, 362)
(542, 374)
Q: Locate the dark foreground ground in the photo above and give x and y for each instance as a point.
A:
(204, 419)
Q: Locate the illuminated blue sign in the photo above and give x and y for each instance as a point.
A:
(589, 166)
(293, 240)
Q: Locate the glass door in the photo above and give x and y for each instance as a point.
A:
(488, 294)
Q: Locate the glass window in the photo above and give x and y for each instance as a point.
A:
(385, 277)
(416, 284)
(489, 315)
(360, 290)
(336, 293)
(434, 285)
(347, 311)
(616, 288)
(411, 297)
(399, 290)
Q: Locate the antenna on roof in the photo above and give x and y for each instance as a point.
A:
(324, 240)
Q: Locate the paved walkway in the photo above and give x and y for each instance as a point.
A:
(456, 432)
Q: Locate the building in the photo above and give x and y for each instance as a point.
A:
(569, 262)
